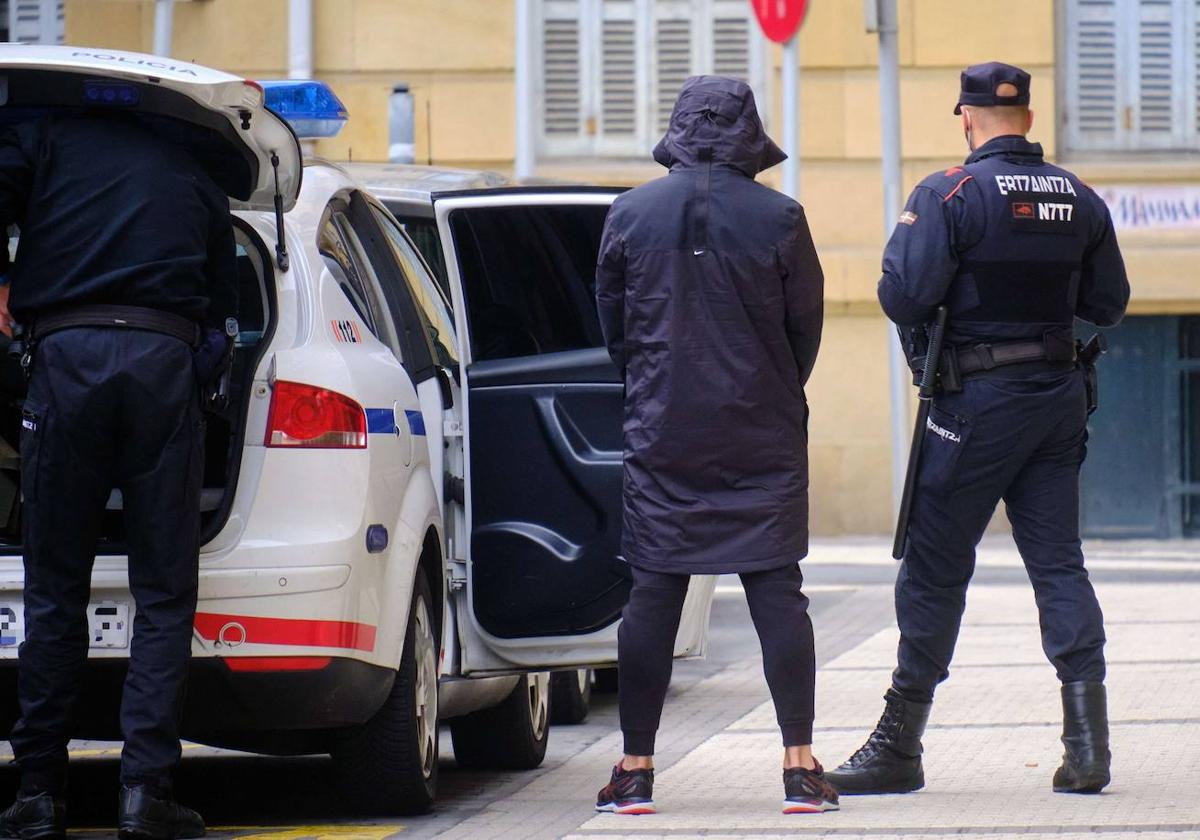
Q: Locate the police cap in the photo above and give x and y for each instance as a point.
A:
(980, 81)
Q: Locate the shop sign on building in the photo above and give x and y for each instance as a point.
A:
(1159, 207)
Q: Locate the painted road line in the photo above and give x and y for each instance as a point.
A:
(308, 832)
(736, 589)
(985, 560)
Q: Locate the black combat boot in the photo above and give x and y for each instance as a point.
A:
(1085, 735)
(890, 760)
(40, 816)
(147, 814)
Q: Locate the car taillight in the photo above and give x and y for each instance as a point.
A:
(311, 417)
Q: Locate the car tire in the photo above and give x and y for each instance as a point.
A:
(606, 681)
(389, 765)
(509, 736)
(570, 696)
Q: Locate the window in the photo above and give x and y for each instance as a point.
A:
(346, 258)
(529, 278)
(424, 234)
(610, 70)
(34, 21)
(439, 322)
(1131, 75)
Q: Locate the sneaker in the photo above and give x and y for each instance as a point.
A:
(807, 791)
(629, 792)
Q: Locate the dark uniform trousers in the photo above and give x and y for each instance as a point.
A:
(1021, 439)
(108, 408)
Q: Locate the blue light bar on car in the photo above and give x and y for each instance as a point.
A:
(312, 108)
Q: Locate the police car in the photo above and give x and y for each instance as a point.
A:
(411, 505)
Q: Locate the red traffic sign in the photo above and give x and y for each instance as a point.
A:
(779, 19)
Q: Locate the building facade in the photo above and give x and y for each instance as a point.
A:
(1116, 93)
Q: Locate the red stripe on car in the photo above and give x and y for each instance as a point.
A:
(257, 630)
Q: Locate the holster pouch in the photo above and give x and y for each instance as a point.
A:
(213, 363)
(1087, 355)
(1092, 381)
(949, 374)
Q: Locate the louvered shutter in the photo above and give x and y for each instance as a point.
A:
(36, 21)
(674, 54)
(1131, 75)
(561, 77)
(1192, 51)
(610, 70)
(1156, 117)
(1093, 114)
(622, 69)
(731, 34)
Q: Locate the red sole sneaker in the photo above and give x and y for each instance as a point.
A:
(627, 808)
(808, 806)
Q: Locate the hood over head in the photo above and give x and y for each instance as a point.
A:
(717, 116)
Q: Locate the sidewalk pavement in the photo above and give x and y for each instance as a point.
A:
(991, 748)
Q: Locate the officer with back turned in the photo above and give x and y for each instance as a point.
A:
(1016, 249)
(125, 268)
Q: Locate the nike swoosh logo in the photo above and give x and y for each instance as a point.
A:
(697, 253)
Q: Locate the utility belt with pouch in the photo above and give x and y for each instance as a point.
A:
(212, 349)
(1057, 349)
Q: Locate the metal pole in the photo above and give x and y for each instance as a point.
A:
(889, 113)
(524, 159)
(791, 122)
(164, 13)
(300, 39)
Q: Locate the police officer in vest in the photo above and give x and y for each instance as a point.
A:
(125, 269)
(1017, 249)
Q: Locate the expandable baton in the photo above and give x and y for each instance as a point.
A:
(933, 354)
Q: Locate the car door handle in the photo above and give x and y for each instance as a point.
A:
(567, 438)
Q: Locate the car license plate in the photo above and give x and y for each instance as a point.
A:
(108, 624)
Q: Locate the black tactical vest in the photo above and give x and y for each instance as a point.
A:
(1021, 276)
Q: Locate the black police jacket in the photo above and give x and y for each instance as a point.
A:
(110, 213)
(1015, 247)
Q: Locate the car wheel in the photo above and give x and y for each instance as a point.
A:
(510, 736)
(389, 765)
(570, 696)
(606, 681)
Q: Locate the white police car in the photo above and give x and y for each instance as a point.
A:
(408, 507)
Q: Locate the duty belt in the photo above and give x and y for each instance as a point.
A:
(959, 363)
(119, 317)
(981, 357)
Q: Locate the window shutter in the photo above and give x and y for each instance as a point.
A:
(611, 70)
(731, 40)
(618, 69)
(674, 49)
(1194, 65)
(1093, 119)
(561, 106)
(36, 21)
(1158, 120)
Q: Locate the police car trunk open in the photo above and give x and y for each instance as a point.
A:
(338, 610)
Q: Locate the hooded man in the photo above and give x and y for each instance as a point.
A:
(710, 296)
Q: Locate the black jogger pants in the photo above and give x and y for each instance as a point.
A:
(646, 643)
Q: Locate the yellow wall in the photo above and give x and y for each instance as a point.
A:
(457, 55)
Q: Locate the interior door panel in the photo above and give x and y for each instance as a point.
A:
(546, 494)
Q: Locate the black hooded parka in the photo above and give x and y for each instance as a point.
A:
(710, 295)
